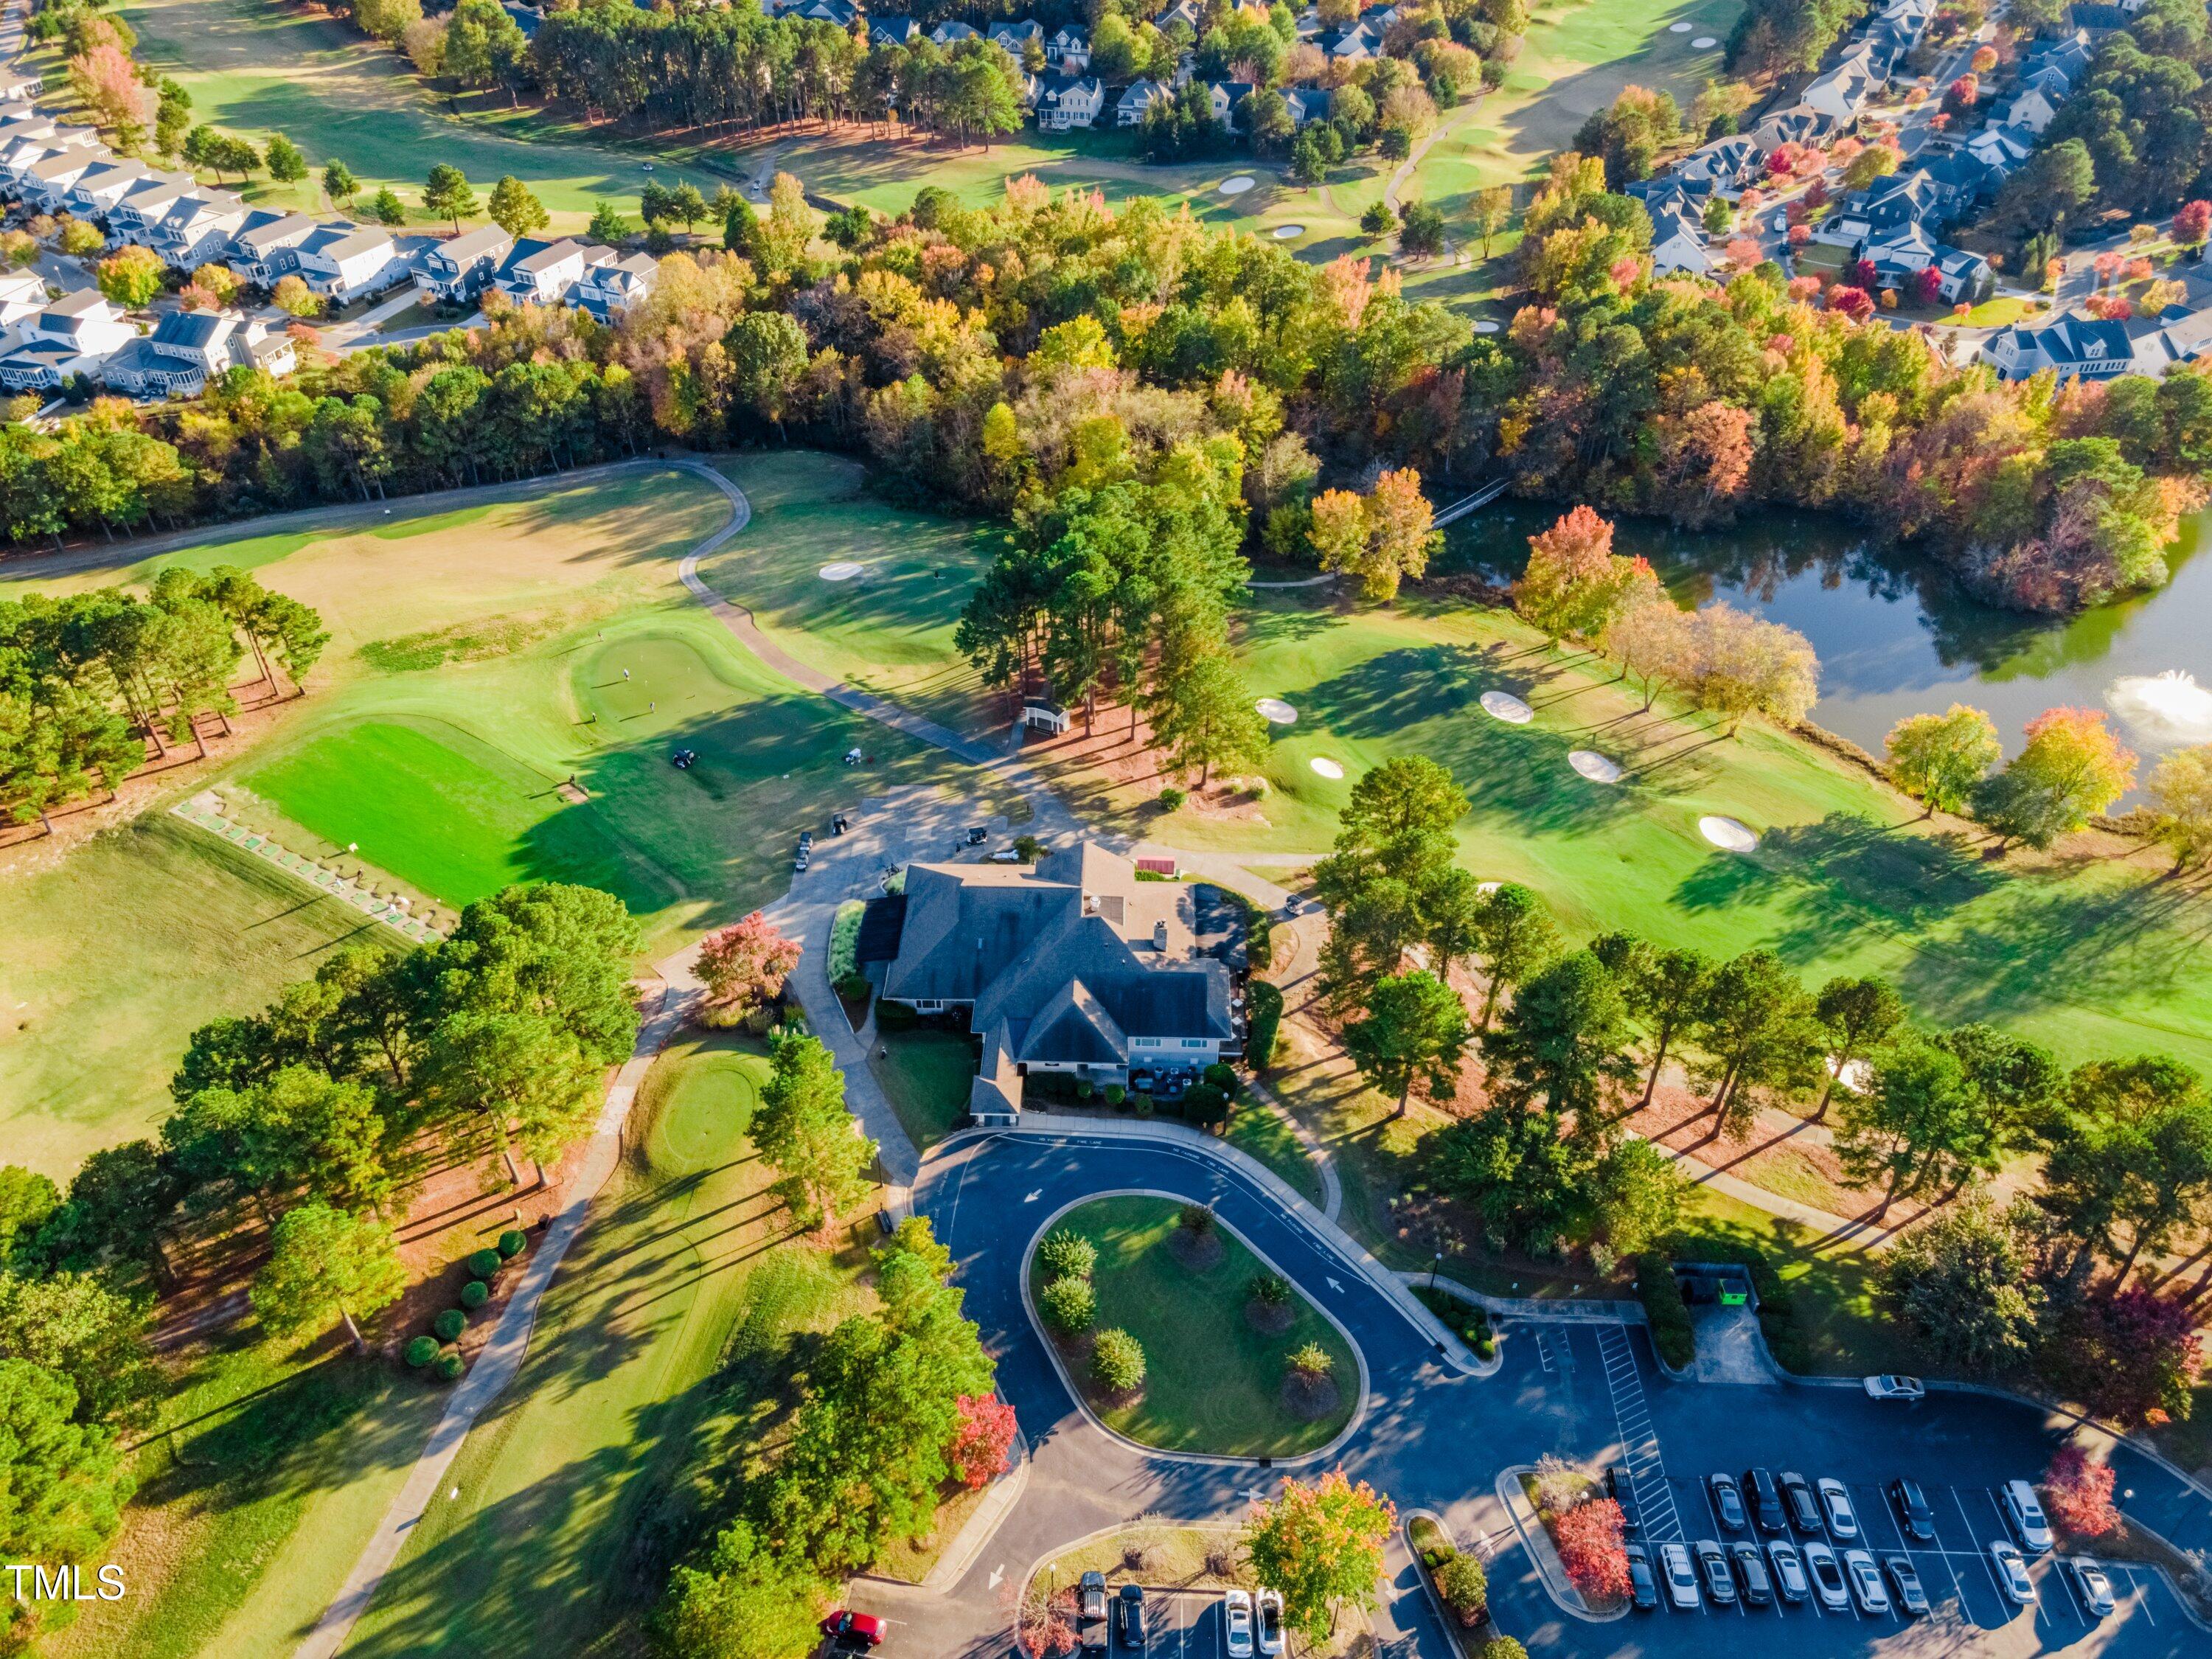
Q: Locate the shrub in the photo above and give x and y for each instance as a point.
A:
(1083, 1089)
(1171, 797)
(1118, 1362)
(895, 1017)
(513, 1242)
(1066, 1254)
(1485, 1347)
(420, 1351)
(450, 1324)
(1504, 1647)
(854, 987)
(475, 1294)
(1222, 1076)
(1671, 1331)
(449, 1367)
(1069, 1306)
(1115, 1094)
(1264, 1003)
(843, 960)
(1589, 1541)
(1464, 1586)
(1196, 1220)
(1269, 1290)
(483, 1264)
(1311, 1361)
(1204, 1105)
(1429, 1541)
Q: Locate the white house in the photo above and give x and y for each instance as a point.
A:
(22, 293)
(1136, 98)
(1228, 99)
(950, 31)
(1069, 101)
(101, 187)
(198, 228)
(2032, 110)
(267, 248)
(1843, 92)
(1069, 49)
(1015, 38)
(540, 272)
(133, 216)
(73, 335)
(2072, 347)
(342, 261)
(456, 270)
(611, 286)
(1678, 243)
(46, 184)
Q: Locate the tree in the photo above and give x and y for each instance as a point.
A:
(803, 1130)
(1406, 794)
(768, 360)
(294, 298)
(1515, 935)
(514, 209)
(978, 1452)
(1858, 1016)
(106, 83)
(1747, 665)
(324, 1261)
(338, 182)
(1665, 990)
(1960, 1284)
(1564, 1041)
(78, 1327)
(386, 208)
(132, 277)
(2180, 791)
(1943, 758)
(1758, 1029)
(748, 1600)
(1203, 714)
(1640, 1195)
(64, 1480)
(1382, 539)
(1415, 1032)
(746, 962)
(446, 194)
(2128, 1154)
(2054, 181)
(2077, 1494)
(2192, 223)
(2128, 1358)
(1377, 221)
(27, 1200)
(1117, 1361)
(1321, 1545)
(2072, 767)
(1589, 1541)
(1574, 584)
(1492, 210)
(1920, 1123)
(286, 166)
(608, 225)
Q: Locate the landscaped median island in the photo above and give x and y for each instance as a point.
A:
(1581, 1530)
(1178, 1336)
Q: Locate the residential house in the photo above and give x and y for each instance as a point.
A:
(16, 86)
(1136, 98)
(894, 31)
(1724, 167)
(1228, 99)
(1845, 91)
(1999, 150)
(456, 270)
(22, 293)
(2072, 347)
(2175, 335)
(2052, 81)
(842, 13)
(526, 18)
(1800, 124)
(1074, 967)
(132, 218)
(2070, 55)
(101, 185)
(187, 348)
(1677, 241)
(46, 184)
(2031, 111)
(1188, 13)
(342, 261)
(1067, 102)
(1967, 277)
(198, 229)
(2100, 18)
(1014, 37)
(610, 286)
(540, 272)
(1069, 49)
(1308, 104)
(266, 248)
(73, 335)
(1353, 46)
(951, 31)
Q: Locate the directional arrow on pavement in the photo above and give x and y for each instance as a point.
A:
(1034, 1196)
(1338, 1288)
(998, 1574)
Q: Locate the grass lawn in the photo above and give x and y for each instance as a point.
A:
(659, 1353)
(115, 955)
(1264, 1131)
(2089, 955)
(925, 1075)
(889, 628)
(1213, 1382)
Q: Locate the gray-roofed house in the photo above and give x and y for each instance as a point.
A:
(952, 30)
(1308, 104)
(188, 348)
(1678, 242)
(1137, 99)
(1069, 102)
(1069, 49)
(457, 270)
(1800, 124)
(2071, 347)
(73, 335)
(266, 248)
(610, 286)
(898, 30)
(1074, 967)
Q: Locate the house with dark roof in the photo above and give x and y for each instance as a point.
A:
(1725, 166)
(1069, 49)
(894, 30)
(1066, 102)
(1073, 967)
(73, 335)
(457, 270)
(2071, 347)
(1800, 124)
(188, 347)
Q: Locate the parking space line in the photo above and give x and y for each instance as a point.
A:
(2142, 1596)
(1988, 1565)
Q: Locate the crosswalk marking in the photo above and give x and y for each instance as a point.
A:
(1632, 1412)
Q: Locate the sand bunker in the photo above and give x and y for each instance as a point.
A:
(1704, 42)
(1327, 769)
(1678, 28)
(1727, 835)
(1504, 706)
(1284, 233)
(1276, 712)
(1593, 766)
(1238, 185)
(843, 571)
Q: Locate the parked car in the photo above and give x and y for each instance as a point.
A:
(1267, 1613)
(1129, 1615)
(1643, 1588)
(1751, 1572)
(1797, 1497)
(1713, 1566)
(1867, 1587)
(799, 864)
(1763, 1499)
(1622, 1489)
(1896, 1387)
(2012, 1572)
(1915, 1516)
(854, 1633)
(1728, 1501)
(805, 836)
(1789, 1582)
(1091, 1611)
(2025, 1516)
(1827, 1577)
(1836, 1507)
(1905, 1579)
(2095, 1587)
(1236, 1624)
(1681, 1577)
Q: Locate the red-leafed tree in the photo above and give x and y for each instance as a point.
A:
(1962, 95)
(978, 1450)
(2077, 1492)
(746, 962)
(1589, 1541)
(1855, 303)
(1927, 285)
(1861, 273)
(2133, 1358)
(2192, 223)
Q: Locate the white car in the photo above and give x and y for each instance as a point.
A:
(2025, 1515)
(2012, 1572)
(1835, 1507)
(1827, 1577)
(1895, 1388)
(1236, 1624)
(1867, 1587)
(2096, 1589)
(1267, 1605)
(1682, 1577)
(1789, 1571)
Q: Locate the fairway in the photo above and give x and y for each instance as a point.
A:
(656, 1352)
(1212, 1382)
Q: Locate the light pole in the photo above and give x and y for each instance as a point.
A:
(1435, 1262)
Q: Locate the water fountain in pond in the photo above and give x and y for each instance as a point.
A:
(2167, 709)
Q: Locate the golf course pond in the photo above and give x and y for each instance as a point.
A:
(1896, 637)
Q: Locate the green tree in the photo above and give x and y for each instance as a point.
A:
(2128, 1157)
(323, 1261)
(1515, 936)
(1943, 758)
(1758, 1029)
(1920, 1123)
(1416, 1033)
(747, 1600)
(804, 1131)
(2071, 767)
(386, 209)
(608, 225)
(514, 209)
(2180, 790)
(1640, 1196)
(1321, 1545)
(768, 360)
(79, 1326)
(446, 194)
(338, 182)
(1203, 714)
(560, 951)
(1961, 1282)
(64, 1482)
(286, 166)
(1858, 1015)
(517, 1074)
(132, 277)
(1406, 794)
(1490, 212)
(1665, 991)
(27, 1200)
(1376, 221)
(1563, 1042)
(2056, 181)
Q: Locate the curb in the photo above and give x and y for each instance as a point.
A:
(1449, 1621)
(1409, 1277)
(1217, 1459)
(1564, 1595)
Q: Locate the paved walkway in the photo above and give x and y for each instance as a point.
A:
(503, 1355)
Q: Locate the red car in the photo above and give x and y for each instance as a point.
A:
(854, 1632)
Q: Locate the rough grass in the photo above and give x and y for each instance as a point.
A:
(925, 1075)
(1212, 1382)
(1262, 1130)
(686, 1297)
